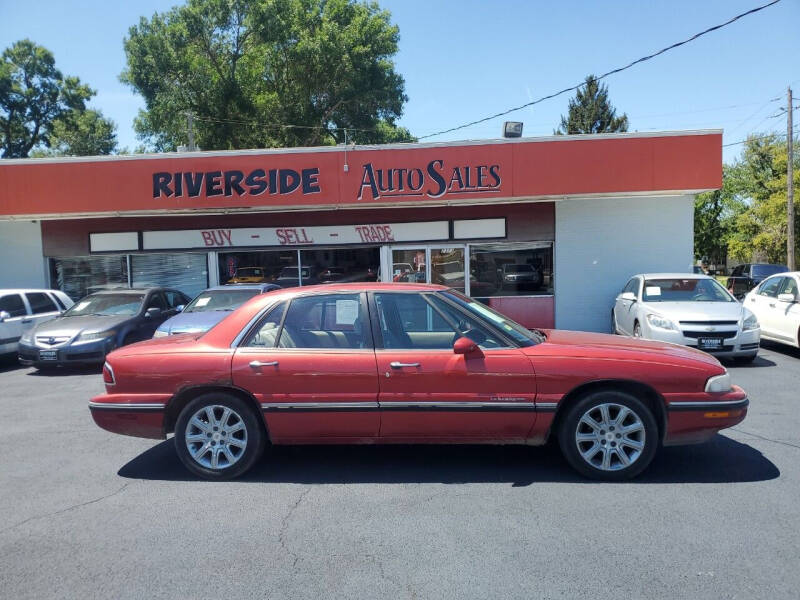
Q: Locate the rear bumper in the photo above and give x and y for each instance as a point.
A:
(139, 415)
(695, 418)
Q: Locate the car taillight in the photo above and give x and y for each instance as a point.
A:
(108, 374)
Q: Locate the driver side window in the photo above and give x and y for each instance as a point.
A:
(417, 322)
(770, 287)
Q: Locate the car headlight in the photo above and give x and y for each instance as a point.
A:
(660, 322)
(719, 383)
(750, 322)
(100, 335)
(160, 333)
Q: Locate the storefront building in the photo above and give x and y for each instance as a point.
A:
(546, 230)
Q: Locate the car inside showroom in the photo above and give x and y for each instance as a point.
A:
(546, 230)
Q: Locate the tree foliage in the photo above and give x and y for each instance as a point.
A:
(715, 215)
(591, 112)
(81, 133)
(34, 97)
(759, 180)
(266, 73)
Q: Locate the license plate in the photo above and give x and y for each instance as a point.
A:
(713, 343)
(48, 354)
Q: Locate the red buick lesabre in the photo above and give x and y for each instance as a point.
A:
(408, 363)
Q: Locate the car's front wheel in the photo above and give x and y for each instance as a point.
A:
(609, 435)
(218, 436)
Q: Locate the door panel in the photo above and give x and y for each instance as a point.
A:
(451, 396)
(428, 391)
(313, 370)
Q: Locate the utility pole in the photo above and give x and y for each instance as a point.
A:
(790, 186)
(190, 119)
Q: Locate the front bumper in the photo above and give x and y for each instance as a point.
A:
(694, 418)
(735, 342)
(86, 353)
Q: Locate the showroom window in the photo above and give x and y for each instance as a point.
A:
(186, 272)
(79, 276)
(511, 269)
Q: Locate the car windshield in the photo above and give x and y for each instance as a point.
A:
(220, 300)
(685, 290)
(107, 304)
(518, 268)
(250, 272)
(767, 270)
(515, 331)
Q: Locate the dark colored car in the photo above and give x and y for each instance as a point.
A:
(97, 324)
(745, 277)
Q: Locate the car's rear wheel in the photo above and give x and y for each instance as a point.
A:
(218, 436)
(609, 435)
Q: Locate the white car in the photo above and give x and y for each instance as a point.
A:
(688, 309)
(775, 304)
(21, 310)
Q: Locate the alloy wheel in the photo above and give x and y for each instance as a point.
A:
(216, 437)
(610, 437)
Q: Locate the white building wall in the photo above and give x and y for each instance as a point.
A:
(21, 262)
(601, 243)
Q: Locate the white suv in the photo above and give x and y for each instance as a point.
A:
(21, 310)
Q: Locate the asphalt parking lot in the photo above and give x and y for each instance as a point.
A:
(88, 514)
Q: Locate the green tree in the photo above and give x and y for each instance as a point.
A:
(715, 215)
(759, 179)
(591, 112)
(266, 73)
(81, 133)
(34, 96)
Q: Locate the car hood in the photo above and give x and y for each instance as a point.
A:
(194, 321)
(72, 326)
(696, 311)
(604, 345)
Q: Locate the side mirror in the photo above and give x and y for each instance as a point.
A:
(787, 298)
(628, 296)
(151, 312)
(467, 347)
(180, 307)
(4, 314)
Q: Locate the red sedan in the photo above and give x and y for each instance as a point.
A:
(408, 363)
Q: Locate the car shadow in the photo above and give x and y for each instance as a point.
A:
(721, 460)
(10, 362)
(784, 349)
(759, 362)
(62, 371)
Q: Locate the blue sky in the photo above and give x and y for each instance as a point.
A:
(466, 59)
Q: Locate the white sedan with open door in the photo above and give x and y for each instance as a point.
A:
(775, 304)
(688, 309)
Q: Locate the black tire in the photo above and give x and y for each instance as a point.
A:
(637, 330)
(744, 360)
(571, 426)
(253, 436)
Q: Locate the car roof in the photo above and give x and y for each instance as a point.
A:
(239, 286)
(127, 290)
(674, 276)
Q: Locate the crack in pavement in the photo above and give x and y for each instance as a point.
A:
(64, 510)
(766, 439)
(285, 526)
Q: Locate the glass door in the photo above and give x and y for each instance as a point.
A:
(408, 265)
(448, 267)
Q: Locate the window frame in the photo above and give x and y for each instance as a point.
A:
(377, 334)
(767, 281)
(25, 307)
(53, 309)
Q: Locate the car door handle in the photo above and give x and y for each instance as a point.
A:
(27, 320)
(399, 365)
(772, 305)
(255, 364)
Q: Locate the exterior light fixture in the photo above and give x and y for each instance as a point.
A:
(512, 129)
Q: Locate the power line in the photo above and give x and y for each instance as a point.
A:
(604, 75)
(761, 137)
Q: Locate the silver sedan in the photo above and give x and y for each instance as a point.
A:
(688, 309)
